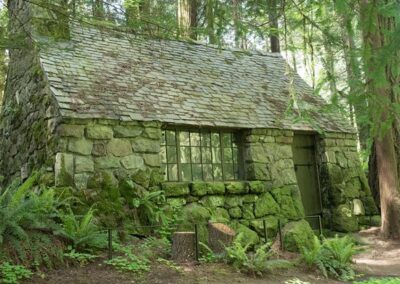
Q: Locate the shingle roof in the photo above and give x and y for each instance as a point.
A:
(102, 74)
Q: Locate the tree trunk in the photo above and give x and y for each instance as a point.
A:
(210, 21)
(381, 87)
(273, 20)
(219, 236)
(98, 9)
(184, 18)
(183, 247)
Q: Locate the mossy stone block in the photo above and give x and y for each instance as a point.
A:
(219, 214)
(235, 212)
(119, 147)
(71, 130)
(271, 223)
(257, 186)
(297, 235)
(236, 187)
(99, 132)
(176, 202)
(199, 188)
(216, 188)
(233, 201)
(152, 160)
(132, 162)
(145, 145)
(83, 164)
(127, 131)
(248, 211)
(250, 198)
(107, 162)
(249, 236)
(212, 201)
(64, 169)
(175, 188)
(266, 205)
(80, 146)
(153, 133)
(343, 219)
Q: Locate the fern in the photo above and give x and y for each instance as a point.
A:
(83, 232)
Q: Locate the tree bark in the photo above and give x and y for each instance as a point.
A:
(183, 247)
(187, 18)
(273, 20)
(210, 21)
(219, 236)
(98, 9)
(381, 88)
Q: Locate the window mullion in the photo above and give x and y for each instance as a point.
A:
(201, 155)
(190, 154)
(222, 155)
(178, 154)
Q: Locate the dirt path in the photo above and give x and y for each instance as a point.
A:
(381, 257)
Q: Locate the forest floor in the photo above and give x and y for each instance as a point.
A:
(378, 259)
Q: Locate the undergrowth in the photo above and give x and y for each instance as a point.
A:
(332, 257)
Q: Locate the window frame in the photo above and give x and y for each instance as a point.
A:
(235, 133)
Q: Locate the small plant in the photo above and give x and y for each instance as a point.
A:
(386, 280)
(333, 257)
(12, 274)
(254, 263)
(208, 256)
(81, 258)
(83, 232)
(129, 261)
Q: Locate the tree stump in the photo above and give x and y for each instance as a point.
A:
(183, 247)
(219, 236)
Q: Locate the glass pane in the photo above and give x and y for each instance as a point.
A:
(227, 155)
(185, 154)
(216, 155)
(235, 155)
(236, 171)
(207, 170)
(197, 172)
(194, 139)
(171, 137)
(217, 171)
(228, 172)
(215, 139)
(171, 154)
(196, 158)
(164, 171)
(206, 155)
(186, 172)
(173, 172)
(163, 153)
(184, 138)
(226, 140)
(163, 138)
(205, 139)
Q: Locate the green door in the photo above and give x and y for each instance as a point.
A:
(306, 173)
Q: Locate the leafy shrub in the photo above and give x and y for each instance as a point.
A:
(82, 231)
(208, 256)
(28, 223)
(11, 274)
(129, 261)
(333, 257)
(253, 263)
(81, 258)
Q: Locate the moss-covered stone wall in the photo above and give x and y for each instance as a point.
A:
(90, 150)
(28, 115)
(347, 198)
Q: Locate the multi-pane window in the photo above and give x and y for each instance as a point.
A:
(199, 155)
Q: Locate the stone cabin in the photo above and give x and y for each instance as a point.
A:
(232, 133)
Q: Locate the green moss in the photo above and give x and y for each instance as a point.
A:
(249, 236)
(297, 235)
(235, 212)
(266, 205)
(271, 223)
(175, 188)
(343, 219)
(233, 201)
(199, 188)
(212, 201)
(236, 187)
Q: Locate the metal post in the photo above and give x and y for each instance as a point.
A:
(109, 231)
(265, 230)
(280, 234)
(320, 225)
(196, 238)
